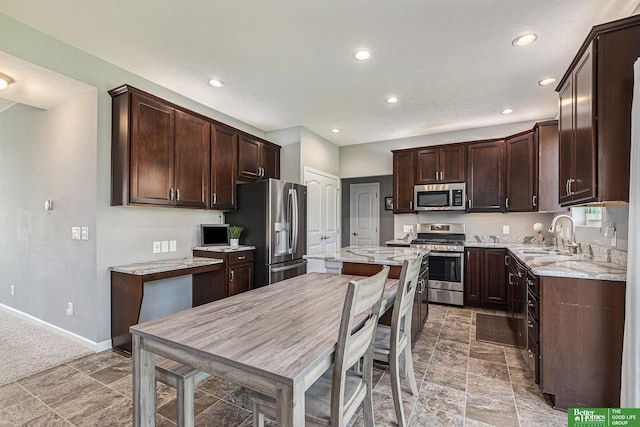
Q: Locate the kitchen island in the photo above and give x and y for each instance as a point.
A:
(368, 260)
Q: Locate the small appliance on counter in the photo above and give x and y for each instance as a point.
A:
(446, 261)
(274, 216)
(214, 234)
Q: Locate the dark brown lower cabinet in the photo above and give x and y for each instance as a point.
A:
(581, 334)
(484, 277)
(238, 269)
(420, 302)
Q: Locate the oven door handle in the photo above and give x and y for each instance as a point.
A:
(446, 254)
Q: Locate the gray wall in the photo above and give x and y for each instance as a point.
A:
(49, 155)
(386, 217)
(123, 235)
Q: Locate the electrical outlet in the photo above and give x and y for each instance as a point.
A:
(13, 290)
(408, 228)
(156, 247)
(75, 233)
(172, 245)
(165, 246)
(69, 309)
(84, 233)
(505, 229)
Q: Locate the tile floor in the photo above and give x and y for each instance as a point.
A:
(462, 382)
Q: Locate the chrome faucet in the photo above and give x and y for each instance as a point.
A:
(573, 246)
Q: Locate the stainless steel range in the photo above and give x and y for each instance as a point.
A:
(446, 261)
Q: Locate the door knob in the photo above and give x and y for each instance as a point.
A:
(355, 234)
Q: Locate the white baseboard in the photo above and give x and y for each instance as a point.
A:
(95, 346)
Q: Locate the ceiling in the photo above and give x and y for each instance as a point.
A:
(289, 63)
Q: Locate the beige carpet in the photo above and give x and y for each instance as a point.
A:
(27, 348)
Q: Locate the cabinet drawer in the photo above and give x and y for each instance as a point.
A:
(534, 328)
(533, 284)
(240, 257)
(533, 358)
(533, 306)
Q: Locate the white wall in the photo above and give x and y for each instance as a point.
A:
(318, 153)
(289, 140)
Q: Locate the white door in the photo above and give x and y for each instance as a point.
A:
(323, 215)
(364, 214)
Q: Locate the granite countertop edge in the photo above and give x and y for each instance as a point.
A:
(224, 248)
(161, 266)
(558, 265)
(379, 255)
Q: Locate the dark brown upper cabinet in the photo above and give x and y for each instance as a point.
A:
(521, 173)
(595, 115)
(440, 164)
(224, 167)
(257, 159)
(545, 135)
(165, 155)
(485, 176)
(403, 180)
(160, 155)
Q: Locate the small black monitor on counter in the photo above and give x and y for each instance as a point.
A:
(215, 234)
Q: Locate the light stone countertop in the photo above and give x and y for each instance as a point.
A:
(382, 255)
(161, 266)
(225, 248)
(560, 264)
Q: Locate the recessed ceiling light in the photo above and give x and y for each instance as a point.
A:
(545, 82)
(391, 100)
(524, 39)
(216, 83)
(507, 111)
(362, 55)
(5, 81)
(335, 130)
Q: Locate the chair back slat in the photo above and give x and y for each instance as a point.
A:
(407, 286)
(364, 298)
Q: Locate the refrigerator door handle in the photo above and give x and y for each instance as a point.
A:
(294, 220)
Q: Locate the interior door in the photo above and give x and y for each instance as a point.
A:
(323, 215)
(364, 214)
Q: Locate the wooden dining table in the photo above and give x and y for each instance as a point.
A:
(277, 340)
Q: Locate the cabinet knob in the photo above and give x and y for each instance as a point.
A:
(535, 201)
(171, 194)
(411, 204)
(241, 257)
(506, 202)
(232, 274)
(178, 195)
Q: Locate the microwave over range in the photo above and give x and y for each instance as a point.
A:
(439, 197)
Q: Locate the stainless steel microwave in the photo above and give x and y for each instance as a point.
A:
(439, 197)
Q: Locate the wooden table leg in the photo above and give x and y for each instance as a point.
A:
(144, 385)
(290, 404)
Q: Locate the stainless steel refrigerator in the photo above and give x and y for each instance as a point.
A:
(274, 216)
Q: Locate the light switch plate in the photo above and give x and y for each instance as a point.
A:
(172, 245)
(84, 233)
(156, 247)
(165, 246)
(75, 233)
(505, 229)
